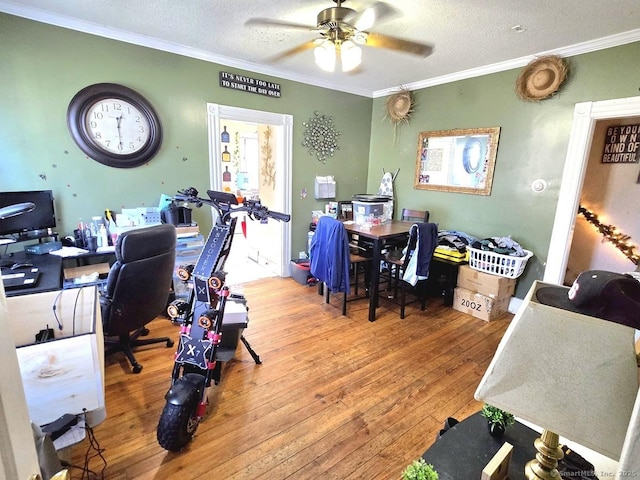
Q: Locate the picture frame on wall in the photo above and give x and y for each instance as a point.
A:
(459, 160)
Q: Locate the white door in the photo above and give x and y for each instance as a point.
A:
(250, 152)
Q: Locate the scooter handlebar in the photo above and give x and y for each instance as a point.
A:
(283, 217)
(226, 203)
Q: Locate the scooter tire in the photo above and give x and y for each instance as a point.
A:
(177, 425)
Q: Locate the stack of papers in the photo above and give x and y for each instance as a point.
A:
(69, 252)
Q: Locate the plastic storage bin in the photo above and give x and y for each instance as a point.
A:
(498, 264)
(374, 212)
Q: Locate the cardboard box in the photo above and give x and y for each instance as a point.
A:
(480, 306)
(485, 283)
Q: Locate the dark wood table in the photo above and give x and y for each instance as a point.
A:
(380, 235)
(466, 448)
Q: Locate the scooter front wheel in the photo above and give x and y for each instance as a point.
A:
(177, 425)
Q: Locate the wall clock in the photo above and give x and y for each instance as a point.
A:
(114, 125)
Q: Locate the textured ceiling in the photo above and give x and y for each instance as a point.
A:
(469, 37)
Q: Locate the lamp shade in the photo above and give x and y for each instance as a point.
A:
(566, 372)
(325, 55)
(350, 55)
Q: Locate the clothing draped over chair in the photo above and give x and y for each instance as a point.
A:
(329, 254)
(425, 238)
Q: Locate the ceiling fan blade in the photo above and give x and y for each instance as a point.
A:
(293, 51)
(269, 22)
(384, 41)
(379, 11)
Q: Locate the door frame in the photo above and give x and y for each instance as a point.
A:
(585, 116)
(18, 457)
(216, 113)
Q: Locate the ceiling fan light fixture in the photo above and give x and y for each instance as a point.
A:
(350, 55)
(325, 55)
(366, 20)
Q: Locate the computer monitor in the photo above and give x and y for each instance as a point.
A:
(42, 217)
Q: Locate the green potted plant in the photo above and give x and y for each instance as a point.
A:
(419, 470)
(498, 420)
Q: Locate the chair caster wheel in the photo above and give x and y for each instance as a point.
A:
(144, 332)
(169, 343)
(137, 368)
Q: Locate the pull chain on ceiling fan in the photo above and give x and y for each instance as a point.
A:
(341, 31)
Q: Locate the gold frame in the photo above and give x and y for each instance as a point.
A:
(461, 160)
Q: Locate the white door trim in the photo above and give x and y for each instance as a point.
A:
(215, 112)
(585, 116)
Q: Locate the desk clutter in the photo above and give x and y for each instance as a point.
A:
(103, 230)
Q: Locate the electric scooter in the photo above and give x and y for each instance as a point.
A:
(201, 350)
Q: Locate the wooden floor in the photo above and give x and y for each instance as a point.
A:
(335, 397)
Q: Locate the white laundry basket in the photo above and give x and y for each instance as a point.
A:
(508, 266)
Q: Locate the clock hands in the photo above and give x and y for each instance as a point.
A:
(118, 120)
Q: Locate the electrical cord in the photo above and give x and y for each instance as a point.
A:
(54, 308)
(55, 314)
(75, 306)
(98, 451)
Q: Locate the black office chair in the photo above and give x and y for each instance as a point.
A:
(137, 288)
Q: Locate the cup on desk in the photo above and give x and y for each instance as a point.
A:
(92, 243)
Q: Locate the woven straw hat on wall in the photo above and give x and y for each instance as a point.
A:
(541, 78)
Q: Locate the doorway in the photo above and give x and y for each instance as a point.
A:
(585, 116)
(250, 155)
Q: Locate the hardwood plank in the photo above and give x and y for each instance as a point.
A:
(335, 397)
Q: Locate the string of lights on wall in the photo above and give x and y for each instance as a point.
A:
(610, 234)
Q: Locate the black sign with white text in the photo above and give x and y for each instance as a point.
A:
(622, 144)
(248, 84)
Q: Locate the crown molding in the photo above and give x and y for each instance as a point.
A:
(150, 42)
(577, 49)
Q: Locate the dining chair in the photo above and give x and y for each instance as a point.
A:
(331, 261)
(394, 255)
(414, 272)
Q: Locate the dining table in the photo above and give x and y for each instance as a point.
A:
(380, 236)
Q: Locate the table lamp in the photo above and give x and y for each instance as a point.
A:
(566, 371)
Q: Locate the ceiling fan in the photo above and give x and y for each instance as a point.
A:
(341, 31)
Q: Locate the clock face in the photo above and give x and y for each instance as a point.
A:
(114, 125)
(117, 126)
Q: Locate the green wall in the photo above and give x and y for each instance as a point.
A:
(42, 67)
(533, 144)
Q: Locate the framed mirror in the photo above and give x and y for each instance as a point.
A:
(459, 160)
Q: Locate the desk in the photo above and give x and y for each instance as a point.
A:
(51, 268)
(379, 235)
